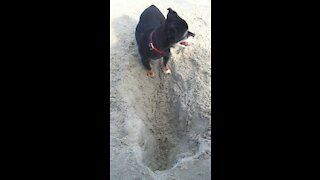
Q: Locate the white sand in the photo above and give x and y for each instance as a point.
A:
(161, 127)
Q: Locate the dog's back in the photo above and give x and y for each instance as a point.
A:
(149, 20)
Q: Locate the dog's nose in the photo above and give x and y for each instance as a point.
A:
(191, 34)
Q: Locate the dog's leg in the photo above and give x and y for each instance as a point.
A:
(165, 67)
(147, 65)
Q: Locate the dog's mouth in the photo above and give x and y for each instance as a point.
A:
(185, 43)
(188, 38)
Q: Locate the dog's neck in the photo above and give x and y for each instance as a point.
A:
(161, 43)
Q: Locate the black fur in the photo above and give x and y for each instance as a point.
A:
(167, 32)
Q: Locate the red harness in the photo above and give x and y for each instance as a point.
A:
(154, 48)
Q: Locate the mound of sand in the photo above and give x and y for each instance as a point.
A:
(161, 127)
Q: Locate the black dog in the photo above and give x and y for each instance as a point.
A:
(155, 35)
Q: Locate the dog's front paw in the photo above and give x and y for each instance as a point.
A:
(166, 70)
(150, 73)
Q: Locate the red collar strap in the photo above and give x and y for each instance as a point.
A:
(152, 46)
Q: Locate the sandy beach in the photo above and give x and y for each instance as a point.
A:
(160, 128)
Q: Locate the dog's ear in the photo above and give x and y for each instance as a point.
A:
(171, 13)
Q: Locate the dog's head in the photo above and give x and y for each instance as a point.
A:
(177, 29)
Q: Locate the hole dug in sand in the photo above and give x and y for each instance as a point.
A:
(166, 134)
